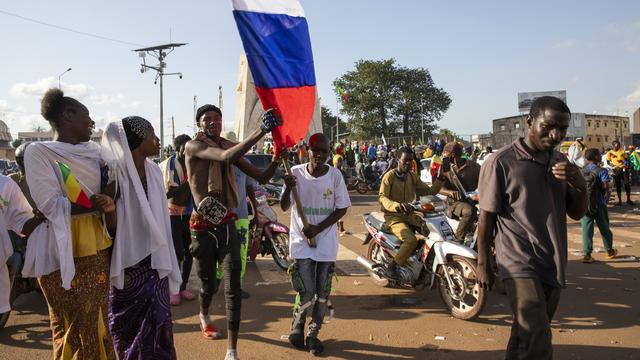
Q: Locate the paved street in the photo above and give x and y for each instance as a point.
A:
(598, 317)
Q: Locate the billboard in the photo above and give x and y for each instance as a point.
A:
(525, 99)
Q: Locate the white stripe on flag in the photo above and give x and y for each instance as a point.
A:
(285, 7)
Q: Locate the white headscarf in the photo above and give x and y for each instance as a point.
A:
(143, 226)
(49, 247)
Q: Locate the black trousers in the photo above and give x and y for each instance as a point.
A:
(621, 179)
(181, 242)
(219, 244)
(533, 304)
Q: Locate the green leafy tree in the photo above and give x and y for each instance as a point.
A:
(329, 123)
(381, 97)
(448, 134)
(420, 104)
(15, 143)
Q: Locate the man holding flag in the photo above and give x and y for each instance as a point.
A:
(209, 161)
(275, 36)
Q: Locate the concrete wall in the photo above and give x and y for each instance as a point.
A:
(249, 109)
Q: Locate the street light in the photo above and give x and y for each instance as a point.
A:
(160, 53)
(59, 76)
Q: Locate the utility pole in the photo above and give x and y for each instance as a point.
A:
(220, 97)
(195, 111)
(159, 52)
(173, 131)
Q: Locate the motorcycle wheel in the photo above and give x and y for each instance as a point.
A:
(362, 188)
(375, 255)
(280, 250)
(467, 299)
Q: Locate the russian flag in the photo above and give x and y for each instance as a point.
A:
(275, 36)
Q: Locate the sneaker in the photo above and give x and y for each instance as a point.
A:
(612, 253)
(232, 355)
(630, 203)
(315, 346)
(587, 259)
(391, 272)
(296, 337)
(174, 299)
(187, 295)
(211, 332)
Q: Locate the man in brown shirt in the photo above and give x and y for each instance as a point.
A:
(526, 191)
(468, 173)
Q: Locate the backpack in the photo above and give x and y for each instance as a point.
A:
(594, 190)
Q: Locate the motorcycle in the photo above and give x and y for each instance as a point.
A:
(17, 283)
(266, 234)
(273, 191)
(371, 182)
(438, 261)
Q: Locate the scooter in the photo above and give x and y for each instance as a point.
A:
(437, 261)
(266, 234)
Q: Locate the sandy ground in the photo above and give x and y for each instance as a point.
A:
(598, 316)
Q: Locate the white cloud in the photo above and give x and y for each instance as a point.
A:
(566, 44)
(117, 99)
(632, 45)
(38, 88)
(633, 98)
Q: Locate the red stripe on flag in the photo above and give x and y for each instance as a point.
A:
(83, 200)
(296, 105)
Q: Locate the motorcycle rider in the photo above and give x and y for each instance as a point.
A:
(468, 172)
(399, 188)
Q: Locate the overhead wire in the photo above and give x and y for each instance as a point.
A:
(68, 29)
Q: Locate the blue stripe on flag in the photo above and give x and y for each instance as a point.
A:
(278, 49)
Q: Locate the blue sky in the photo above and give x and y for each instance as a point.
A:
(481, 52)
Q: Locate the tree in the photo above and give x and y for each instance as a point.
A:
(15, 143)
(420, 104)
(381, 97)
(447, 134)
(329, 123)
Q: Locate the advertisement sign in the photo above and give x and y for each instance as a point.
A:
(525, 99)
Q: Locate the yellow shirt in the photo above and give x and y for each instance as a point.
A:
(617, 158)
(394, 191)
(88, 235)
(336, 158)
(427, 153)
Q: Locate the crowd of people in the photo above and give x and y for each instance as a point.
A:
(113, 235)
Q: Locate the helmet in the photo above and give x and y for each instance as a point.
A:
(21, 149)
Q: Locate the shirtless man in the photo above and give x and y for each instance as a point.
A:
(209, 161)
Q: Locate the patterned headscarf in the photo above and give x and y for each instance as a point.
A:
(136, 129)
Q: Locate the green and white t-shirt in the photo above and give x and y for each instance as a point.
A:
(319, 197)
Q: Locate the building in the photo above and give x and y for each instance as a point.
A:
(48, 135)
(636, 121)
(598, 131)
(481, 141)
(601, 130)
(506, 130)
(6, 151)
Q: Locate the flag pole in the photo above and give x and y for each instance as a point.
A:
(296, 197)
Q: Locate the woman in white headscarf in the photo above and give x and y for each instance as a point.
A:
(70, 254)
(144, 268)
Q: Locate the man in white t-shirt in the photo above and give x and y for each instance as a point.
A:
(324, 198)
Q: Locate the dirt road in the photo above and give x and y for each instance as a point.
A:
(598, 316)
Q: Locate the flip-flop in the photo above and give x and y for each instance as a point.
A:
(210, 332)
